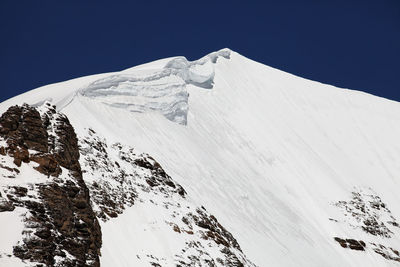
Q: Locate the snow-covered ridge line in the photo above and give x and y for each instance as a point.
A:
(162, 90)
(300, 173)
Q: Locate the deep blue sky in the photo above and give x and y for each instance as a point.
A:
(352, 44)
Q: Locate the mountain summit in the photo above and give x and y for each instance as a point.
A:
(221, 161)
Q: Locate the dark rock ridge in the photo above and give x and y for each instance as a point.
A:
(386, 252)
(61, 228)
(118, 177)
(351, 243)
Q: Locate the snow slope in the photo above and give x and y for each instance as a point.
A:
(268, 153)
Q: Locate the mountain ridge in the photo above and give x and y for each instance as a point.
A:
(160, 63)
(289, 167)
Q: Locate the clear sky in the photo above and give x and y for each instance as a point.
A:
(351, 44)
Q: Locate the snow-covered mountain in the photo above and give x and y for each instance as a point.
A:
(221, 161)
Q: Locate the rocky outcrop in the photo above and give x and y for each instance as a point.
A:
(351, 243)
(118, 176)
(367, 212)
(212, 228)
(386, 252)
(23, 129)
(61, 228)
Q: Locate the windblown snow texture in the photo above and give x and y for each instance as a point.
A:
(224, 161)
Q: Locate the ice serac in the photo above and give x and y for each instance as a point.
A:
(161, 90)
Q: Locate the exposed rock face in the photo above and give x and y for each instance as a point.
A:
(118, 177)
(75, 185)
(351, 243)
(386, 252)
(367, 212)
(22, 127)
(6, 205)
(61, 228)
